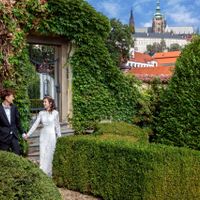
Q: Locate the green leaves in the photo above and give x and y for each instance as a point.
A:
(21, 179)
(117, 167)
(119, 41)
(76, 20)
(178, 121)
(100, 90)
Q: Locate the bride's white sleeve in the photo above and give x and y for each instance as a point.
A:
(57, 125)
(35, 125)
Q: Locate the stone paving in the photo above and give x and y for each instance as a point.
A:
(72, 195)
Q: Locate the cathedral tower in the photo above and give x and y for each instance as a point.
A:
(132, 23)
(159, 22)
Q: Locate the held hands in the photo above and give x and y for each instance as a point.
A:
(25, 136)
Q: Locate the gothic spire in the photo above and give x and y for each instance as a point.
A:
(131, 22)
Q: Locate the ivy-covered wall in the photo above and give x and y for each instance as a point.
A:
(17, 19)
(100, 90)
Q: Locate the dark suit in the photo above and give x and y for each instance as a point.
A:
(9, 130)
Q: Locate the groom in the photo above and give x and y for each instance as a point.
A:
(9, 123)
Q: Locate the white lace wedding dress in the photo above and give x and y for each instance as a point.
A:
(48, 134)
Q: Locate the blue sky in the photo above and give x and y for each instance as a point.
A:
(177, 12)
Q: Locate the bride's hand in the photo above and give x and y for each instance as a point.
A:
(25, 136)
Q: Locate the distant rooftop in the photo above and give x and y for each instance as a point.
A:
(160, 35)
(177, 30)
(143, 30)
(180, 29)
(169, 54)
(149, 73)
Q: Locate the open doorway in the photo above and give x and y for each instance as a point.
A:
(46, 82)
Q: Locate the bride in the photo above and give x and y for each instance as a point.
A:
(49, 118)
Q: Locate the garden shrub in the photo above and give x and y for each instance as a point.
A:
(21, 179)
(123, 129)
(114, 169)
(148, 104)
(178, 121)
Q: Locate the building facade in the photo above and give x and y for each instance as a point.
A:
(141, 40)
(161, 31)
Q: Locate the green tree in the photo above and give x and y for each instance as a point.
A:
(163, 45)
(148, 104)
(156, 47)
(175, 47)
(119, 41)
(179, 120)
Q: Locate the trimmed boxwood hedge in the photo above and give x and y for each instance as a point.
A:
(115, 169)
(21, 179)
(123, 129)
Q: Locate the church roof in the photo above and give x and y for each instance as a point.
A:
(160, 35)
(180, 29)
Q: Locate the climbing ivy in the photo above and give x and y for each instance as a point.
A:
(17, 19)
(100, 90)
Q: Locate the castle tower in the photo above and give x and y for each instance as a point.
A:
(159, 22)
(131, 22)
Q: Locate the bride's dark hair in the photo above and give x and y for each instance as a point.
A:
(52, 103)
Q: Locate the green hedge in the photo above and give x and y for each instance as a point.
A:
(178, 120)
(123, 129)
(21, 179)
(36, 103)
(117, 169)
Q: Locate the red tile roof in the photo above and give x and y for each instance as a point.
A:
(148, 73)
(166, 58)
(141, 57)
(164, 70)
(160, 70)
(170, 54)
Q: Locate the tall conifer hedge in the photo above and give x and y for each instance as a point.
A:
(179, 120)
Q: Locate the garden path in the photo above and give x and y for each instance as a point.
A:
(72, 195)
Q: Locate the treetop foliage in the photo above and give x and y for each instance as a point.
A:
(119, 41)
